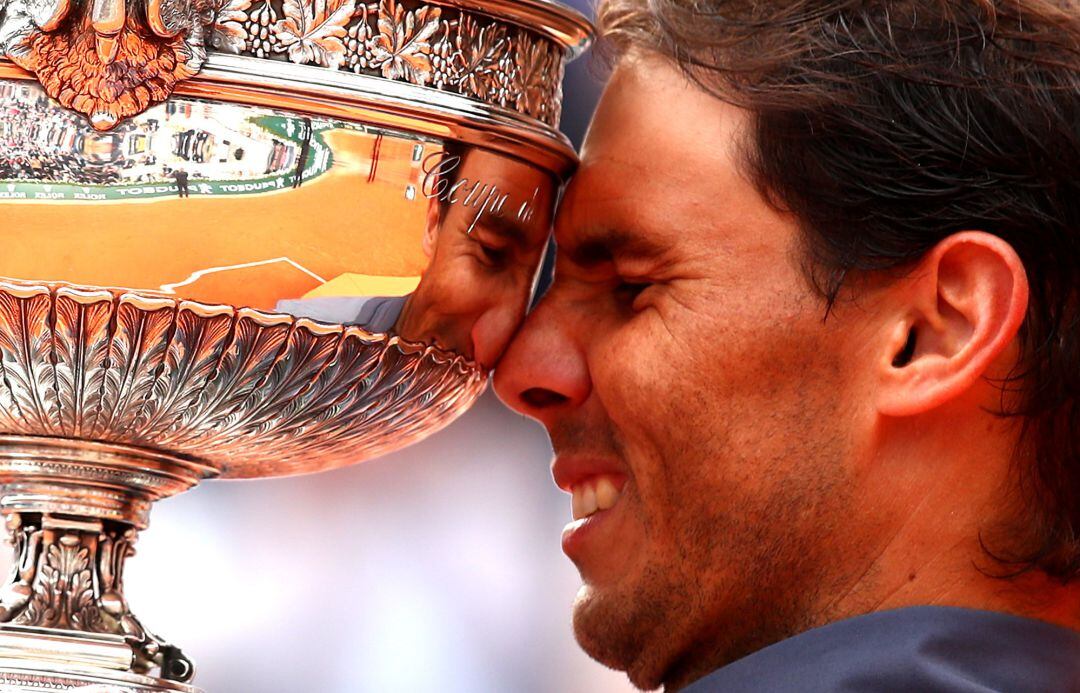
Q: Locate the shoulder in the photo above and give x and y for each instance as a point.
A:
(915, 649)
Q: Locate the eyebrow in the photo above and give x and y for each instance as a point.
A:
(602, 246)
(503, 227)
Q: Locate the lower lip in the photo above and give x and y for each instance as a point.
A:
(578, 534)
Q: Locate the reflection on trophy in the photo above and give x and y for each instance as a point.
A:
(244, 238)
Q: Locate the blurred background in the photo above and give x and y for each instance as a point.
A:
(438, 568)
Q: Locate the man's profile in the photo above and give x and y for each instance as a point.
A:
(811, 355)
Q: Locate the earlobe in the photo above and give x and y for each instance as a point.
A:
(956, 315)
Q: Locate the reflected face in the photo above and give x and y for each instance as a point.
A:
(694, 396)
(483, 255)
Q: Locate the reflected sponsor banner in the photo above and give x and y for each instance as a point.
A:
(319, 162)
(178, 149)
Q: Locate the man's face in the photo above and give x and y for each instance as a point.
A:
(683, 368)
(476, 289)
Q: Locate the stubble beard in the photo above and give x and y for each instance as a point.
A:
(738, 583)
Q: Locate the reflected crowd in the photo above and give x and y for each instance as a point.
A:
(45, 143)
(40, 142)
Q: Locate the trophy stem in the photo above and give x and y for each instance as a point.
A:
(73, 510)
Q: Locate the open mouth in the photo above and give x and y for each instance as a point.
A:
(594, 506)
(594, 494)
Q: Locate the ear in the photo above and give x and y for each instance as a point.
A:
(431, 228)
(955, 315)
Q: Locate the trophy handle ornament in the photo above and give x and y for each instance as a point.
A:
(100, 59)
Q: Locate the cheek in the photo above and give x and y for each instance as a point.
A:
(693, 351)
(636, 373)
(719, 394)
(647, 374)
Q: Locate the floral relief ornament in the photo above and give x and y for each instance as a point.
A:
(480, 50)
(312, 31)
(111, 59)
(258, 28)
(402, 50)
(230, 16)
(535, 65)
(445, 57)
(454, 51)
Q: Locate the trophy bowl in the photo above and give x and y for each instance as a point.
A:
(244, 238)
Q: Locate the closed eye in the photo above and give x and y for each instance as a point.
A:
(494, 256)
(628, 291)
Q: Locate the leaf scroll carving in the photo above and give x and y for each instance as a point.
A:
(535, 65)
(81, 351)
(312, 31)
(403, 47)
(64, 595)
(229, 32)
(137, 349)
(199, 338)
(357, 358)
(26, 350)
(250, 393)
(481, 49)
(306, 353)
(256, 342)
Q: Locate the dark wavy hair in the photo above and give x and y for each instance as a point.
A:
(886, 125)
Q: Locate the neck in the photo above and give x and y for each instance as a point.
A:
(951, 509)
(968, 577)
(964, 576)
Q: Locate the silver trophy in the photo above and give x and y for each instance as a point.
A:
(244, 238)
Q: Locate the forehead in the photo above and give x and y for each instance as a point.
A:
(665, 158)
(487, 190)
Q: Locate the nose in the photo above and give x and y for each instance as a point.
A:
(544, 371)
(492, 331)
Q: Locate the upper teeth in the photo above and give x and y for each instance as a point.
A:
(596, 493)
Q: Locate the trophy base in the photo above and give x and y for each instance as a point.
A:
(39, 659)
(73, 510)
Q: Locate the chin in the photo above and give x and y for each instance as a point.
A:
(611, 633)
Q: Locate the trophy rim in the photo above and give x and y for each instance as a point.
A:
(543, 34)
(382, 103)
(556, 20)
(151, 299)
(375, 101)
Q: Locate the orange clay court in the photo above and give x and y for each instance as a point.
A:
(362, 237)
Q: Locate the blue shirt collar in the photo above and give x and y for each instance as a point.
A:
(915, 649)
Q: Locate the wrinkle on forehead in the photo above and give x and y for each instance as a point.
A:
(649, 109)
(660, 172)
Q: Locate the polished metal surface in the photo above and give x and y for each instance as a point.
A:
(307, 255)
(65, 609)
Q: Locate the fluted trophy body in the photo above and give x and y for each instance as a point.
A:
(244, 238)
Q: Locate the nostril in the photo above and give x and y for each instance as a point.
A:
(539, 397)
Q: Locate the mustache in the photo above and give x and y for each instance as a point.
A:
(577, 437)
